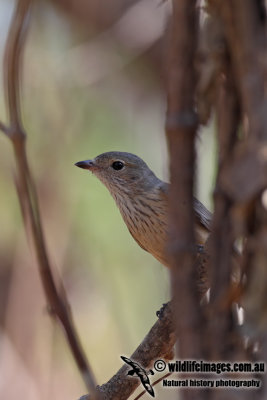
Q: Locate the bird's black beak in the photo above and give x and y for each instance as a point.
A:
(87, 164)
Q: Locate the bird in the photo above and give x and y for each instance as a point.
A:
(142, 199)
(141, 373)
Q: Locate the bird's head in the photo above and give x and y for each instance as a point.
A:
(120, 171)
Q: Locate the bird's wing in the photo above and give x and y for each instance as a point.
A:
(202, 215)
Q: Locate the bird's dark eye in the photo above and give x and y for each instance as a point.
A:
(117, 165)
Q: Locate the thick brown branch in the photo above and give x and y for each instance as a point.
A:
(158, 344)
(222, 334)
(245, 34)
(180, 130)
(181, 127)
(241, 177)
(246, 38)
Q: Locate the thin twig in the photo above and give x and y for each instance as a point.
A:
(13, 58)
(56, 298)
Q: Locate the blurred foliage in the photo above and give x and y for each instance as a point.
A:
(77, 103)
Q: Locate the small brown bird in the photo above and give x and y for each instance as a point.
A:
(142, 199)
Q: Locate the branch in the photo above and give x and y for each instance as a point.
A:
(223, 335)
(181, 126)
(157, 344)
(245, 32)
(56, 298)
(245, 179)
(12, 65)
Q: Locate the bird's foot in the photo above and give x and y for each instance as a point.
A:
(160, 312)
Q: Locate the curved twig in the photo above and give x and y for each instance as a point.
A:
(56, 297)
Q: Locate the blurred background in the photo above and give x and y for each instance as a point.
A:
(93, 81)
